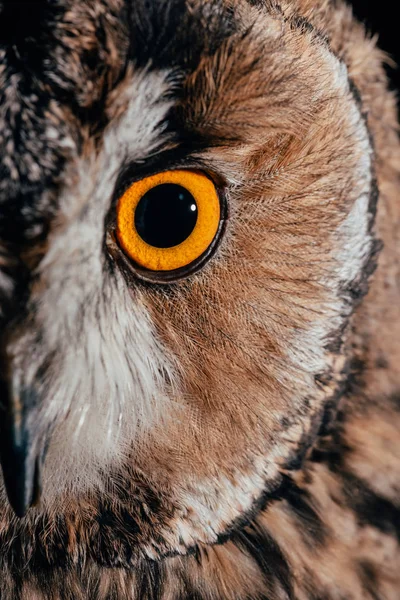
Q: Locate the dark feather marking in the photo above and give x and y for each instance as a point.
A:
(258, 506)
(165, 34)
(327, 423)
(150, 581)
(112, 546)
(395, 400)
(332, 447)
(188, 592)
(317, 428)
(370, 508)
(266, 553)
(329, 452)
(311, 526)
(358, 288)
(302, 24)
(369, 581)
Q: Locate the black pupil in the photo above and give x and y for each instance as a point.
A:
(166, 215)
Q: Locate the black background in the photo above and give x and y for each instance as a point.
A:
(380, 17)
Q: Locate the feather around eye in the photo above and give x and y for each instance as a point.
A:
(168, 220)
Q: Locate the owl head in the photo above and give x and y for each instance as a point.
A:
(186, 225)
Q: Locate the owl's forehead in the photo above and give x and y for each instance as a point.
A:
(60, 64)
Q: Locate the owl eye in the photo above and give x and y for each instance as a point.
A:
(169, 220)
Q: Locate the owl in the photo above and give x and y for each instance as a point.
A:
(199, 303)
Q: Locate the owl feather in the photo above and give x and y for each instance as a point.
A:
(229, 430)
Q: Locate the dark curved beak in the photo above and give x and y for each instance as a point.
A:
(21, 455)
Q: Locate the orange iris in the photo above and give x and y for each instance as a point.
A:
(168, 220)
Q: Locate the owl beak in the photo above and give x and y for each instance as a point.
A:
(20, 454)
